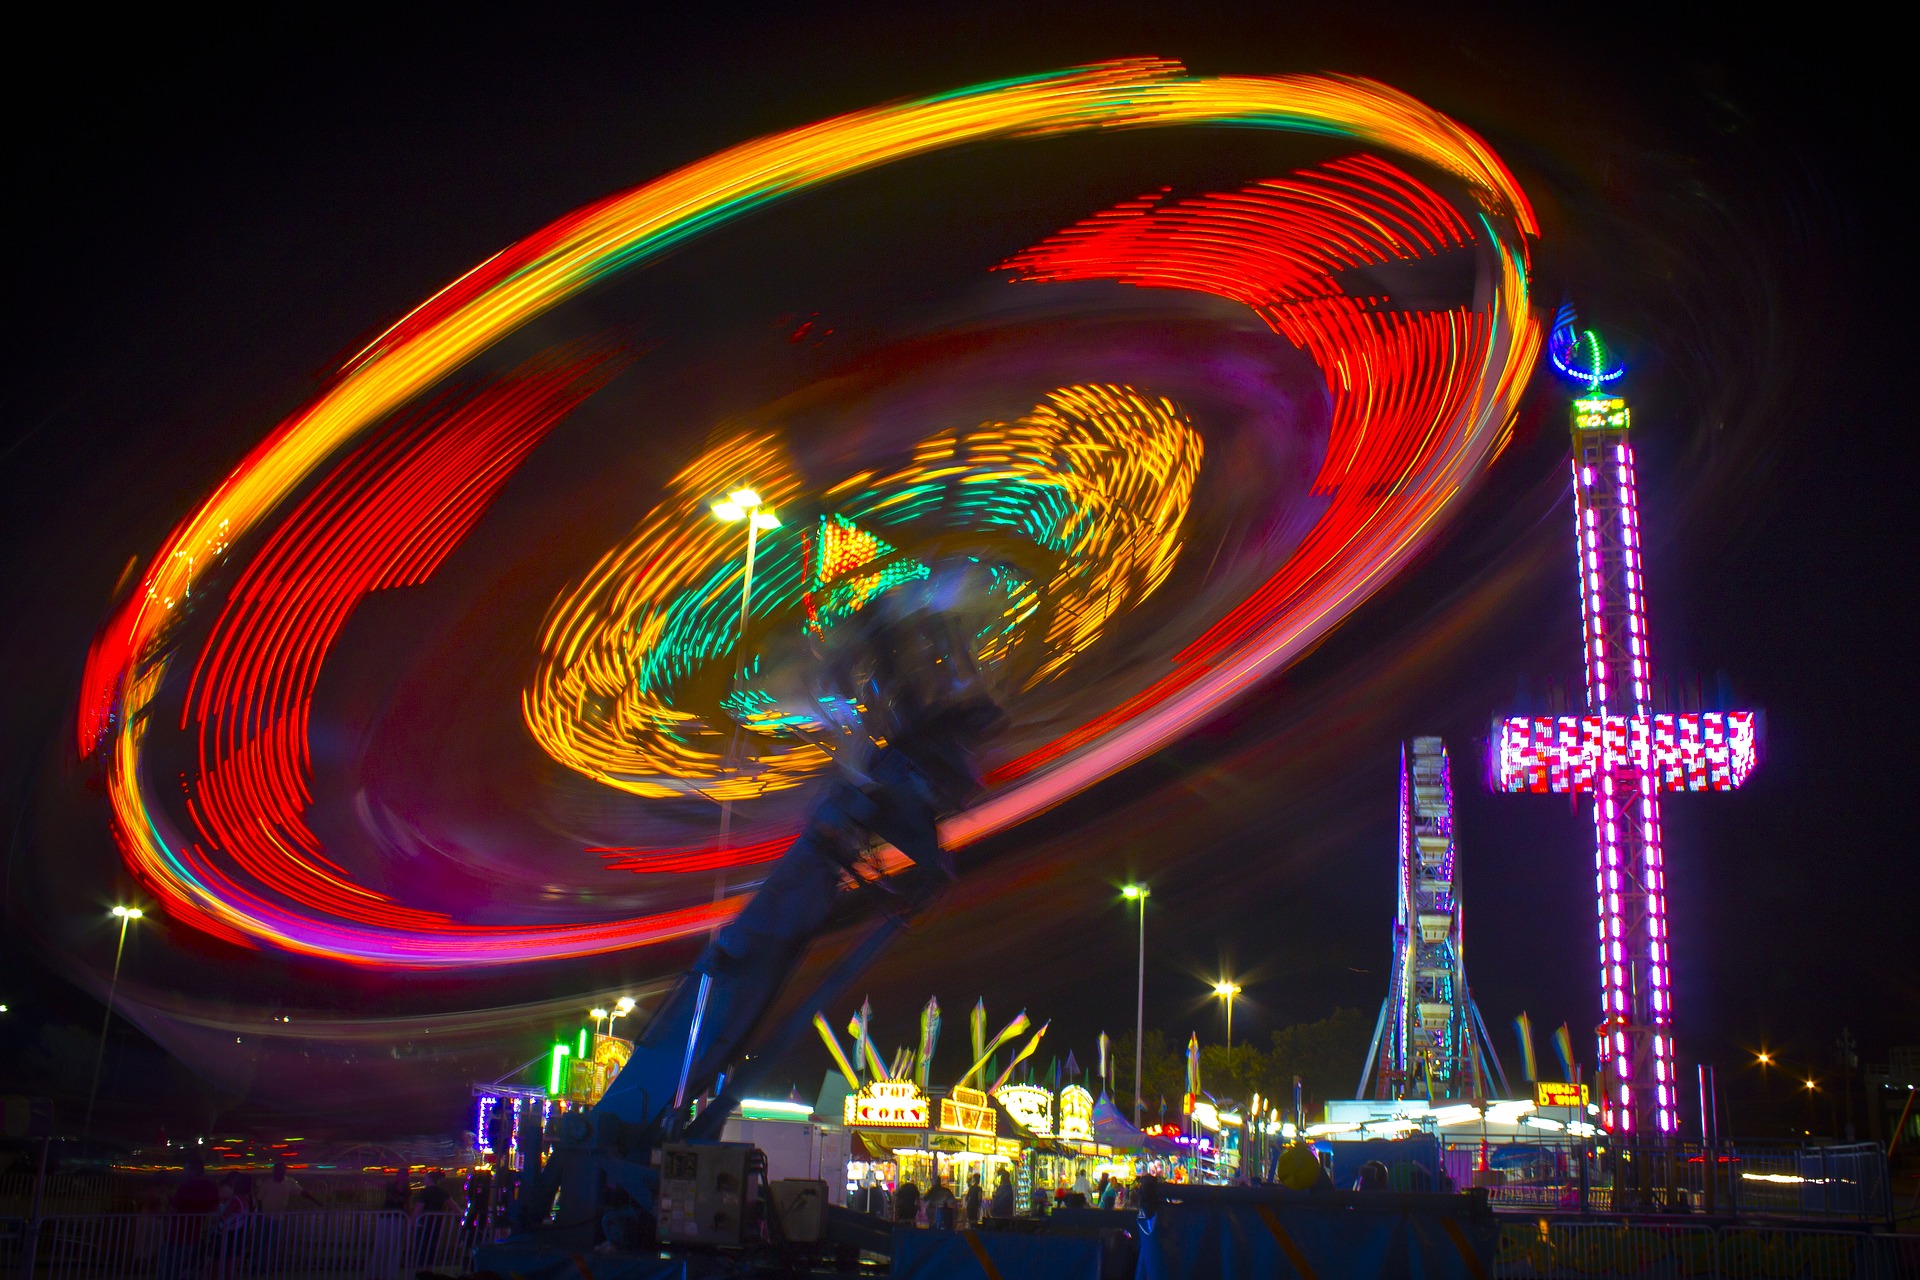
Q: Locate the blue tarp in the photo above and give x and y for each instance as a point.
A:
(1248, 1240)
(955, 1255)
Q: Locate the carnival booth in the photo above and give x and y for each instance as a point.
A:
(909, 1134)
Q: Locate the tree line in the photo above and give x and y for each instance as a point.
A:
(1326, 1055)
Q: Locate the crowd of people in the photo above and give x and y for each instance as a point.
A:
(939, 1206)
(236, 1227)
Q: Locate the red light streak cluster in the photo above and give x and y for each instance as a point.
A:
(386, 517)
(1400, 382)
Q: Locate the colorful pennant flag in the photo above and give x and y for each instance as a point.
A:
(1523, 1027)
(833, 1047)
(1563, 1046)
(929, 1039)
(1022, 1056)
(1020, 1023)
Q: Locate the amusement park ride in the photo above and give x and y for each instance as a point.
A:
(915, 673)
(1622, 752)
(1430, 1041)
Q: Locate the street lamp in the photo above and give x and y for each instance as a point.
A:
(598, 1016)
(1139, 893)
(621, 1008)
(126, 916)
(1228, 989)
(741, 504)
(744, 504)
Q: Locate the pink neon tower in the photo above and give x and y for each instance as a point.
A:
(1624, 753)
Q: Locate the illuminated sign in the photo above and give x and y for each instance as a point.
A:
(1076, 1112)
(1697, 751)
(888, 1104)
(968, 1111)
(587, 1077)
(1031, 1105)
(1600, 413)
(1552, 1093)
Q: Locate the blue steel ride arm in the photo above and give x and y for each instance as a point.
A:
(712, 1014)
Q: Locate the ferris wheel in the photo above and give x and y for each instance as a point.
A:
(1430, 1040)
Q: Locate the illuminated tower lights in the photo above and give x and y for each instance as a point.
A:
(1623, 752)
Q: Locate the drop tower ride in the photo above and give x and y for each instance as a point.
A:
(1623, 753)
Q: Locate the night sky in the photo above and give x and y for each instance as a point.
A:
(206, 220)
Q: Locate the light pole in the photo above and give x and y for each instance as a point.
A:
(621, 1008)
(741, 504)
(1228, 989)
(1139, 893)
(598, 1016)
(126, 916)
(744, 504)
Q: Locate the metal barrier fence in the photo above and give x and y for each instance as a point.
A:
(1550, 1250)
(132, 1192)
(1547, 1174)
(316, 1245)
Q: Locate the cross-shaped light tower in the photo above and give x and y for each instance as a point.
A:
(1623, 753)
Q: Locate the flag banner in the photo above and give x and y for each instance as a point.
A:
(1022, 1056)
(1020, 1023)
(929, 1040)
(833, 1047)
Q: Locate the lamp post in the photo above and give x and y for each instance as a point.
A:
(1139, 893)
(1228, 989)
(745, 504)
(599, 1016)
(741, 504)
(621, 1008)
(126, 916)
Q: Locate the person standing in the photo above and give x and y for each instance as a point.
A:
(942, 1206)
(906, 1204)
(436, 1202)
(479, 1203)
(390, 1229)
(236, 1207)
(974, 1196)
(270, 1200)
(1001, 1206)
(194, 1203)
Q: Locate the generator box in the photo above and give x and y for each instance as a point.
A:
(799, 1208)
(704, 1196)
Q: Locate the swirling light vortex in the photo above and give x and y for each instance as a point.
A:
(129, 658)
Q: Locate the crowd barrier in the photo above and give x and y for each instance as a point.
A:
(1548, 1250)
(315, 1245)
(1550, 1174)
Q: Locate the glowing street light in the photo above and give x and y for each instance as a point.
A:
(741, 504)
(126, 916)
(1139, 893)
(1228, 989)
(621, 1008)
(744, 504)
(598, 1016)
(1764, 1058)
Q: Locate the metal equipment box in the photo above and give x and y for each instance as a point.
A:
(799, 1209)
(704, 1194)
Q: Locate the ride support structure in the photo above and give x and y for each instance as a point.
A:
(1430, 1041)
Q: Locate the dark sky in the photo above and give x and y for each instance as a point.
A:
(205, 218)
